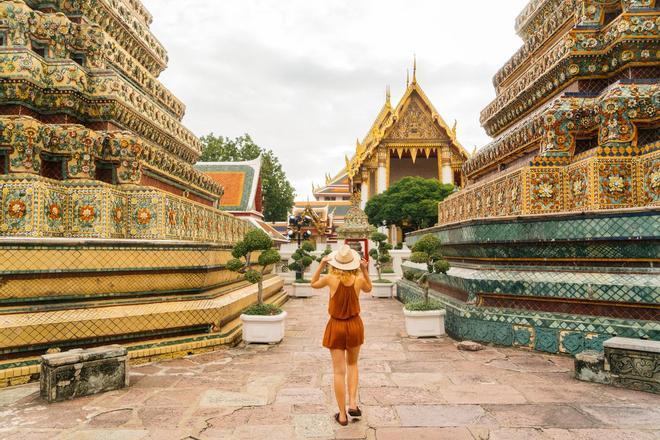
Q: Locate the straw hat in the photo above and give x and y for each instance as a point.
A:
(345, 258)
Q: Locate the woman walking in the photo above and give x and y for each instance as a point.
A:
(344, 333)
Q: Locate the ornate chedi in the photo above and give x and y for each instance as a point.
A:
(107, 232)
(554, 241)
(356, 223)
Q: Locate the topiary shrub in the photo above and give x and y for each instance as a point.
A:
(427, 251)
(302, 259)
(255, 241)
(326, 251)
(381, 253)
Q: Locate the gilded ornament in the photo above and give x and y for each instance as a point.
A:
(615, 184)
(545, 190)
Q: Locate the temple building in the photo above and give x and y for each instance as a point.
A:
(242, 195)
(554, 239)
(410, 139)
(107, 231)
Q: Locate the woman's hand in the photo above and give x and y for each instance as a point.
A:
(325, 260)
(364, 265)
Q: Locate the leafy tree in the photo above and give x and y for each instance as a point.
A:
(255, 241)
(427, 251)
(381, 253)
(411, 203)
(302, 259)
(278, 194)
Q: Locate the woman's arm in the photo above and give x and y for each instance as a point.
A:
(317, 281)
(365, 284)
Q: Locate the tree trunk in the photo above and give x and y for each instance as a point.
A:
(260, 291)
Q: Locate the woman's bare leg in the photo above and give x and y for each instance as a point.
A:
(352, 355)
(339, 370)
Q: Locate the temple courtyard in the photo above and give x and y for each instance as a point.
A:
(409, 389)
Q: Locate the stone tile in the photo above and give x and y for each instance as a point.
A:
(111, 418)
(222, 398)
(314, 425)
(399, 395)
(270, 432)
(602, 434)
(300, 396)
(429, 381)
(521, 434)
(106, 434)
(380, 415)
(552, 416)
(638, 417)
(9, 396)
(480, 394)
(423, 434)
(160, 417)
(439, 415)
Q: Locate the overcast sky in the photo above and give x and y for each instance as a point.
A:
(307, 77)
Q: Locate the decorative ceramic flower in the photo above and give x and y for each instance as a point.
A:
(54, 211)
(16, 208)
(117, 214)
(615, 184)
(143, 216)
(655, 180)
(545, 190)
(87, 213)
(578, 187)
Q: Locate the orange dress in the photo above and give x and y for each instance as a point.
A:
(345, 328)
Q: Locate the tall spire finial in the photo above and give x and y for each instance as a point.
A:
(407, 77)
(414, 79)
(387, 94)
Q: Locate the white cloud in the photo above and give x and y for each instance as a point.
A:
(307, 77)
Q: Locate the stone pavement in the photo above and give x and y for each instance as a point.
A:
(409, 389)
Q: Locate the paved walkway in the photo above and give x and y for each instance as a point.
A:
(410, 389)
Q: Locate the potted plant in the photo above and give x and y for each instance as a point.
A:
(382, 288)
(302, 259)
(426, 318)
(261, 322)
(326, 251)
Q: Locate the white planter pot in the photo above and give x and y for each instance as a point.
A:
(302, 290)
(428, 323)
(382, 290)
(267, 329)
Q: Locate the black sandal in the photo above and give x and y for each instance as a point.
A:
(344, 423)
(355, 412)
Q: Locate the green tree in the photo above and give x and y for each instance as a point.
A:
(427, 251)
(278, 194)
(411, 203)
(255, 241)
(302, 259)
(381, 253)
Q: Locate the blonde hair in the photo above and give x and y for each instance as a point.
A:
(343, 275)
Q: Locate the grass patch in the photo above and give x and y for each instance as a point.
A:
(382, 281)
(421, 306)
(263, 310)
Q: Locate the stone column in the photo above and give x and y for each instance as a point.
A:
(364, 194)
(446, 172)
(381, 173)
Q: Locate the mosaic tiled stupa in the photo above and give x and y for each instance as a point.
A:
(555, 240)
(107, 232)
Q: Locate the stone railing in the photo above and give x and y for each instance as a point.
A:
(594, 183)
(34, 206)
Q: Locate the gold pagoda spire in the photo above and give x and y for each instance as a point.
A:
(387, 96)
(414, 78)
(407, 77)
